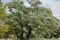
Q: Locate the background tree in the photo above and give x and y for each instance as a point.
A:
(3, 26)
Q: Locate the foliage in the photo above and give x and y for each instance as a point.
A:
(3, 16)
(25, 22)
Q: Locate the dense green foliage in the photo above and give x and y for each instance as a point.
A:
(30, 22)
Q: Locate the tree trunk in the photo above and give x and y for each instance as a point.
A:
(38, 34)
(16, 32)
(28, 34)
(21, 33)
(6, 36)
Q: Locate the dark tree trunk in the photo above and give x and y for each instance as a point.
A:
(17, 35)
(6, 36)
(28, 34)
(21, 33)
(16, 32)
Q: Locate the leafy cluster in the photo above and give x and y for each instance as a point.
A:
(26, 22)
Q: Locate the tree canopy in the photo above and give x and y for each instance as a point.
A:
(26, 22)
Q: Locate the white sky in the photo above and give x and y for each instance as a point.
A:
(53, 4)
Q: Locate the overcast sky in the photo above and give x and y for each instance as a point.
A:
(53, 4)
